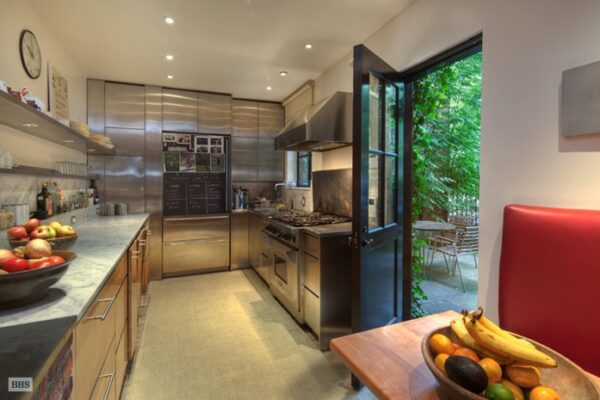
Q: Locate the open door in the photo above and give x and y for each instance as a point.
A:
(381, 199)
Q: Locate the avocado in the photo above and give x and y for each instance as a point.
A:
(466, 373)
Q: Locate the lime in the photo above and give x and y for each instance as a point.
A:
(497, 391)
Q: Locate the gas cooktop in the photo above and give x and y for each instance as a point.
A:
(313, 219)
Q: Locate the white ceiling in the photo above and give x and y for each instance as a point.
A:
(231, 46)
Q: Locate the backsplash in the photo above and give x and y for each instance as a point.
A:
(23, 189)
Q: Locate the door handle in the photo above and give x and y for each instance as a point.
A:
(368, 243)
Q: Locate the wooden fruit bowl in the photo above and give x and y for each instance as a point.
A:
(570, 381)
(21, 288)
(59, 243)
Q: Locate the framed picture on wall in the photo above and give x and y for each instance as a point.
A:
(58, 95)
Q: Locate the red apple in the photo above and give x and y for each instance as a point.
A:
(31, 224)
(38, 248)
(41, 264)
(17, 233)
(16, 265)
(43, 232)
(55, 260)
(5, 255)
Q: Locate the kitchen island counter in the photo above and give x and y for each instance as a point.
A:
(344, 228)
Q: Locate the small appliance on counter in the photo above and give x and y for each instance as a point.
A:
(240, 199)
(121, 209)
(20, 211)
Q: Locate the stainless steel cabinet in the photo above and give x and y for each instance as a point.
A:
(214, 113)
(239, 240)
(180, 111)
(124, 106)
(195, 244)
(270, 161)
(125, 182)
(128, 142)
(244, 143)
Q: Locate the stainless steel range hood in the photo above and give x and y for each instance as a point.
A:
(325, 126)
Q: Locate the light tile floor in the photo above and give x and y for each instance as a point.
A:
(223, 336)
(444, 290)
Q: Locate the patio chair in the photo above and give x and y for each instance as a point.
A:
(447, 238)
(466, 243)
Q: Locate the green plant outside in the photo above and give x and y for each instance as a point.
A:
(446, 142)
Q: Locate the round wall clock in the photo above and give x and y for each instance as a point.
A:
(31, 56)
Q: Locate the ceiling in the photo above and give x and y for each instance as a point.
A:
(231, 46)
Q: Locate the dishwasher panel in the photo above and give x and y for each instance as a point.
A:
(211, 227)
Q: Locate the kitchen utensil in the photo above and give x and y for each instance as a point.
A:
(21, 288)
(20, 211)
(570, 381)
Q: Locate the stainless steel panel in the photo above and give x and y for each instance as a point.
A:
(312, 274)
(124, 105)
(128, 142)
(97, 164)
(270, 161)
(95, 106)
(195, 255)
(311, 245)
(214, 113)
(239, 240)
(244, 142)
(154, 161)
(580, 100)
(125, 181)
(332, 191)
(312, 311)
(196, 228)
(179, 111)
(155, 247)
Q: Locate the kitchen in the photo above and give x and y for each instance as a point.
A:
(202, 248)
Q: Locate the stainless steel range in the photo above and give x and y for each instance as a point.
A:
(283, 233)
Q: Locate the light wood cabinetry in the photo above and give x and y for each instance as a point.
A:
(121, 361)
(239, 240)
(135, 292)
(106, 388)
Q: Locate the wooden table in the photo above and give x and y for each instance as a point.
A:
(433, 226)
(388, 360)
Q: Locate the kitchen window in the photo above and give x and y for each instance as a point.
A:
(303, 168)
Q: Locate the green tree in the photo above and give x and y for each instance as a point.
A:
(446, 142)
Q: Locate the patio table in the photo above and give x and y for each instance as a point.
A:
(426, 228)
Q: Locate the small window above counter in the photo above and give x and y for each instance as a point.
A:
(22, 117)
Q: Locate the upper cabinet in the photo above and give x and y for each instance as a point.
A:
(214, 113)
(180, 111)
(255, 125)
(124, 106)
(244, 141)
(270, 161)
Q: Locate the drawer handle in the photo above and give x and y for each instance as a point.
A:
(149, 233)
(135, 254)
(102, 316)
(110, 383)
(142, 242)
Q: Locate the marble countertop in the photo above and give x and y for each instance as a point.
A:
(344, 228)
(101, 244)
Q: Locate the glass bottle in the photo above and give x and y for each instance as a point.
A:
(44, 200)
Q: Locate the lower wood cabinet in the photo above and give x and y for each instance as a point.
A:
(105, 388)
(121, 361)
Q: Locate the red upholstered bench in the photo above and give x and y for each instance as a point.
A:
(550, 279)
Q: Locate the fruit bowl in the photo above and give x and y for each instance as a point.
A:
(21, 288)
(567, 379)
(60, 243)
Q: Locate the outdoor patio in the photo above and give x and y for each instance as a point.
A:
(444, 290)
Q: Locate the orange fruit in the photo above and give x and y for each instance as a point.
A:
(543, 393)
(492, 369)
(466, 352)
(525, 376)
(440, 360)
(517, 392)
(441, 344)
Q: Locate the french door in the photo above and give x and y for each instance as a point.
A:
(381, 232)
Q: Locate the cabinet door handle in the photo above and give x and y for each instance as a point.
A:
(102, 316)
(110, 383)
(142, 242)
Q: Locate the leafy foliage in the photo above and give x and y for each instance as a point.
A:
(446, 121)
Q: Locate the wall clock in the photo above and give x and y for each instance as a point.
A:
(31, 56)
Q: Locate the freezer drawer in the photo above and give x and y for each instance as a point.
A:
(195, 255)
(212, 227)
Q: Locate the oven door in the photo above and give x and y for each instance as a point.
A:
(285, 278)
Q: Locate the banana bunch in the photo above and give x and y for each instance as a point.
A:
(496, 340)
(463, 336)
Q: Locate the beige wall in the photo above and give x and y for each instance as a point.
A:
(526, 47)
(16, 15)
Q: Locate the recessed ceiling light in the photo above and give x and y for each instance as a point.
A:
(30, 125)
(169, 57)
(91, 150)
(283, 73)
(269, 88)
(169, 20)
(170, 77)
(69, 141)
(308, 46)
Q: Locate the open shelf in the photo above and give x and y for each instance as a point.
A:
(24, 118)
(25, 170)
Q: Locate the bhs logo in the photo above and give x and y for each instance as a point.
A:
(20, 384)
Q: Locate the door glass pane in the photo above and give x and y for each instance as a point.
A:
(391, 183)
(374, 200)
(374, 113)
(391, 92)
